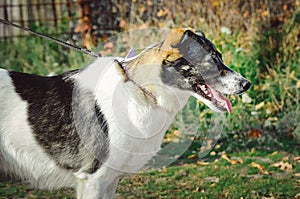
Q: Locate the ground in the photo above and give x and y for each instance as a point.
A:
(239, 175)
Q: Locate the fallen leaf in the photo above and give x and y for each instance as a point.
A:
(149, 3)
(297, 174)
(196, 190)
(274, 153)
(225, 157)
(240, 160)
(246, 14)
(192, 156)
(298, 84)
(164, 169)
(285, 159)
(202, 163)
(246, 99)
(123, 23)
(254, 133)
(297, 196)
(297, 158)
(212, 179)
(261, 168)
(283, 166)
(178, 133)
(260, 105)
(265, 13)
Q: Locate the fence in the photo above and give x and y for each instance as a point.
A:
(94, 19)
(74, 19)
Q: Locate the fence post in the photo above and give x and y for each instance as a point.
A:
(85, 26)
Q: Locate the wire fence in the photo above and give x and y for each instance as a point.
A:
(34, 14)
(94, 20)
(59, 17)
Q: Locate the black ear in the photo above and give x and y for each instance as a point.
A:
(185, 39)
(191, 46)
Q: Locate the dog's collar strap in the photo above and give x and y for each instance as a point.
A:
(127, 77)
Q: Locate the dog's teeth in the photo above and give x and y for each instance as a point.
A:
(205, 91)
(209, 95)
(203, 87)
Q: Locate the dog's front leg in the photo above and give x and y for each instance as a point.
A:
(101, 184)
(111, 189)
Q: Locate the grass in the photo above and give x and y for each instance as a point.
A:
(214, 178)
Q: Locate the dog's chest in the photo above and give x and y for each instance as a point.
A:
(135, 136)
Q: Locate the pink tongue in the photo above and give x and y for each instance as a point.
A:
(220, 98)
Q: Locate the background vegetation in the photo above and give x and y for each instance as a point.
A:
(259, 39)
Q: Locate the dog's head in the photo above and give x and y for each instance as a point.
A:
(194, 64)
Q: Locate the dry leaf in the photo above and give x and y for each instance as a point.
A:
(297, 158)
(246, 99)
(283, 166)
(212, 179)
(240, 160)
(254, 133)
(142, 9)
(164, 169)
(178, 134)
(192, 156)
(225, 157)
(246, 14)
(274, 153)
(297, 196)
(261, 168)
(149, 3)
(297, 174)
(123, 23)
(298, 84)
(260, 105)
(285, 159)
(202, 163)
(265, 13)
(196, 190)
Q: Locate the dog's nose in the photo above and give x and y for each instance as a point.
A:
(245, 84)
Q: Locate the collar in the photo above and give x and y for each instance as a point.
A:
(127, 78)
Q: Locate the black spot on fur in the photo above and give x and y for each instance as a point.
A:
(50, 115)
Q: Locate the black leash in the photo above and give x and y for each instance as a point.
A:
(47, 37)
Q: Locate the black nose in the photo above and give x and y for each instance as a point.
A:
(245, 84)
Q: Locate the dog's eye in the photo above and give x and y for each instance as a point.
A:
(223, 73)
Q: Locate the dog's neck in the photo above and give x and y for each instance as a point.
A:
(144, 71)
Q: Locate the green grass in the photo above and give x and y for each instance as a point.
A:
(218, 179)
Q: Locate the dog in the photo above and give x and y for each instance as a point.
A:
(88, 128)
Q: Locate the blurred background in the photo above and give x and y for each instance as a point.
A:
(259, 39)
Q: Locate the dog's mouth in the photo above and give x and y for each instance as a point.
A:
(216, 99)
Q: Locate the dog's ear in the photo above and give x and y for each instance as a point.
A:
(174, 37)
(190, 45)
